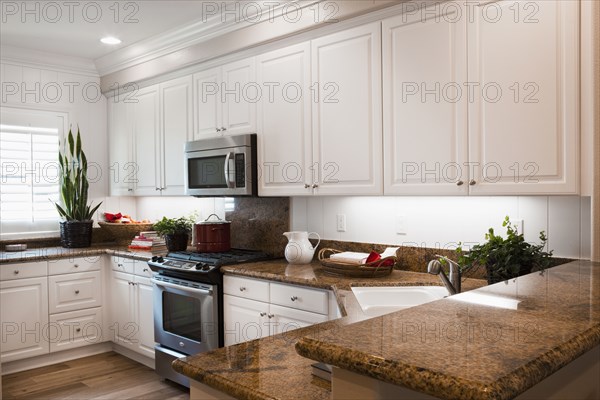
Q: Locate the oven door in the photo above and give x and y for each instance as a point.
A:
(185, 315)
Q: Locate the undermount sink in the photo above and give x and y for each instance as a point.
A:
(381, 300)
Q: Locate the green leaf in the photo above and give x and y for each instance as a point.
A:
(71, 144)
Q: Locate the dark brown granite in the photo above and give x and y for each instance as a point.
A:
(56, 253)
(270, 368)
(258, 223)
(457, 350)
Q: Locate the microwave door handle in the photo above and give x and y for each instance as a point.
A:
(187, 289)
(226, 170)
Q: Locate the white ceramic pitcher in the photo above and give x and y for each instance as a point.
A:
(299, 250)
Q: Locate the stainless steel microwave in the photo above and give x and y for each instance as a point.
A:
(221, 166)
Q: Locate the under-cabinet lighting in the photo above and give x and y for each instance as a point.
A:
(487, 300)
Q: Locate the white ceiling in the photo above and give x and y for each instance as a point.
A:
(77, 30)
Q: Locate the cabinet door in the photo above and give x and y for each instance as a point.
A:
(523, 122)
(176, 114)
(244, 319)
(239, 95)
(146, 142)
(72, 292)
(76, 329)
(424, 109)
(122, 325)
(24, 318)
(287, 319)
(284, 122)
(207, 103)
(144, 316)
(347, 132)
(122, 170)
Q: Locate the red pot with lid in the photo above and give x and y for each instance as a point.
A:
(212, 236)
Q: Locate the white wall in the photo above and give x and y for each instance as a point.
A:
(154, 208)
(441, 222)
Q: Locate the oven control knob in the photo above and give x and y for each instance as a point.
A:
(205, 267)
(200, 266)
(160, 259)
(154, 258)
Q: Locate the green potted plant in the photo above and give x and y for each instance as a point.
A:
(76, 227)
(506, 258)
(175, 231)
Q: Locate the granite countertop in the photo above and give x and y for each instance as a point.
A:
(56, 253)
(270, 368)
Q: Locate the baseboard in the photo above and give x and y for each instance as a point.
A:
(124, 351)
(55, 358)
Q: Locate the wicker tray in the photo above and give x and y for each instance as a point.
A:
(373, 269)
(124, 233)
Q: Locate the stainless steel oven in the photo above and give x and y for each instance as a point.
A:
(186, 321)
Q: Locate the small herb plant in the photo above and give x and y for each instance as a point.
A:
(174, 226)
(506, 258)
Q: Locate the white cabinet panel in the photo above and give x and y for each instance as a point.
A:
(523, 122)
(302, 298)
(122, 170)
(347, 126)
(146, 147)
(284, 122)
(23, 270)
(244, 319)
(24, 318)
(207, 103)
(254, 289)
(122, 264)
(76, 329)
(75, 291)
(144, 316)
(72, 265)
(287, 319)
(239, 95)
(123, 328)
(424, 106)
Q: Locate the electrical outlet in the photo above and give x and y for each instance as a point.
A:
(401, 224)
(519, 224)
(341, 222)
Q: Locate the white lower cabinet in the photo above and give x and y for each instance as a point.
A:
(131, 312)
(75, 329)
(23, 317)
(248, 319)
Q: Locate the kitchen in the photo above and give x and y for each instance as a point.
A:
(505, 120)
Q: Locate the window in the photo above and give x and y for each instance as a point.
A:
(29, 184)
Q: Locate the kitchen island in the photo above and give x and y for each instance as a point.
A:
(447, 348)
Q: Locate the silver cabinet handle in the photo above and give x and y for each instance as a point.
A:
(145, 270)
(130, 190)
(78, 330)
(306, 186)
(294, 298)
(315, 186)
(242, 288)
(76, 265)
(228, 182)
(218, 129)
(271, 316)
(120, 265)
(16, 272)
(262, 314)
(472, 182)
(459, 183)
(223, 129)
(157, 188)
(77, 292)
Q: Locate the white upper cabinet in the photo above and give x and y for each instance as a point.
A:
(424, 114)
(225, 100)
(284, 122)
(177, 121)
(346, 120)
(523, 120)
(147, 136)
(146, 145)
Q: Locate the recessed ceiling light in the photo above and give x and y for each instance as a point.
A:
(110, 40)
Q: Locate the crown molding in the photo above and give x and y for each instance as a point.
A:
(39, 59)
(180, 38)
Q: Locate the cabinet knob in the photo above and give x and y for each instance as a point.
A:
(145, 270)
(294, 298)
(157, 189)
(472, 182)
(129, 283)
(78, 330)
(314, 186)
(306, 186)
(270, 316)
(262, 314)
(242, 288)
(218, 129)
(120, 265)
(16, 272)
(130, 190)
(76, 265)
(181, 344)
(223, 129)
(77, 292)
(460, 183)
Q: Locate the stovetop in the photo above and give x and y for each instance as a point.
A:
(203, 267)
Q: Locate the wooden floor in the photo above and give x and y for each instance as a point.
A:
(103, 376)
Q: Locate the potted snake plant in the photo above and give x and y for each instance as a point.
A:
(76, 227)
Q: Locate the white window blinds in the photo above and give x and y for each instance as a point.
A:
(29, 145)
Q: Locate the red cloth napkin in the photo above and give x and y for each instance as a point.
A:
(374, 256)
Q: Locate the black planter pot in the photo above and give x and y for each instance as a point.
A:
(177, 241)
(76, 234)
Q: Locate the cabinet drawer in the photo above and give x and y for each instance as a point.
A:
(245, 287)
(23, 270)
(70, 265)
(122, 264)
(75, 329)
(313, 300)
(141, 268)
(75, 291)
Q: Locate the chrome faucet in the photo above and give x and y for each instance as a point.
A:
(435, 268)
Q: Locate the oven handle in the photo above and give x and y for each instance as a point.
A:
(187, 289)
(226, 170)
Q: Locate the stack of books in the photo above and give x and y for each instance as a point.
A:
(148, 242)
